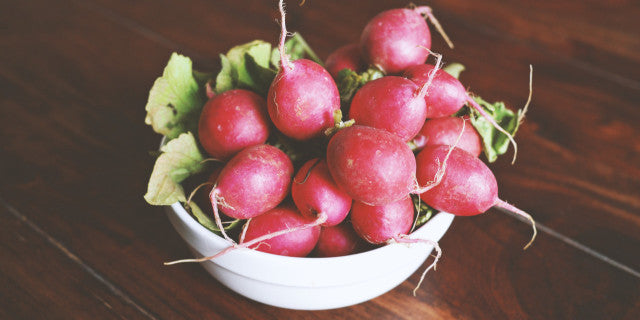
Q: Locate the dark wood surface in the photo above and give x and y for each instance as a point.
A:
(78, 240)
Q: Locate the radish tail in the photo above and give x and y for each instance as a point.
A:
(284, 58)
(214, 196)
(322, 218)
(424, 10)
(405, 239)
(443, 168)
(193, 193)
(505, 205)
(526, 105)
(495, 125)
(423, 91)
(244, 231)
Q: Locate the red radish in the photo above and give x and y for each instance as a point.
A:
(232, 121)
(394, 39)
(394, 104)
(336, 241)
(302, 97)
(373, 166)
(281, 230)
(446, 95)
(291, 242)
(445, 131)
(379, 224)
(345, 57)
(467, 188)
(314, 191)
(254, 181)
(387, 224)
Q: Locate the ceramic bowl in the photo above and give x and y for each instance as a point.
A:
(309, 283)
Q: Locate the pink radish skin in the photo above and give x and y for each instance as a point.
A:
(254, 181)
(445, 131)
(298, 243)
(373, 166)
(445, 96)
(337, 241)
(395, 39)
(379, 224)
(313, 191)
(467, 188)
(345, 57)
(232, 121)
(303, 97)
(394, 104)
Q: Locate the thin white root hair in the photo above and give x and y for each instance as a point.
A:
(405, 239)
(214, 196)
(428, 12)
(424, 90)
(442, 168)
(284, 58)
(244, 230)
(526, 105)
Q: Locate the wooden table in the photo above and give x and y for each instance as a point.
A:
(78, 240)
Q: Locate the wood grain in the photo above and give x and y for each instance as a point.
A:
(74, 162)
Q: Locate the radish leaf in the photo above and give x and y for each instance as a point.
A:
(180, 159)
(494, 142)
(175, 100)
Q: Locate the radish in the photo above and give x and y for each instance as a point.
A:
(390, 103)
(232, 121)
(447, 95)
(388, 224)
(445, 131)
(282, 231)
(379, 224)
(345, 57)
(314, 192)
(254, 181)
(373, 166)
(467, 188)
(336, 241)
(394, 104)
(302, 96)
(393, 39)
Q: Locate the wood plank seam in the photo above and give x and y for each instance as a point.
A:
(66, 252)
(577, 245)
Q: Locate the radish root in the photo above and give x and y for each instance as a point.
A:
(405, 239)
(443, 167)
(426, 11)
(215, 198)
(423, 91)
(322, 218)
(284, 58)
(505, 205)
(526, 105)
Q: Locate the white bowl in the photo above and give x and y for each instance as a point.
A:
(309, 283)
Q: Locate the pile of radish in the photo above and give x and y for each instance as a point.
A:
(282, 153)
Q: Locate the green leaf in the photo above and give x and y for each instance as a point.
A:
(494, 142)
(454, 69)
(246, 66)
(180, 159)
(227, 77)
(349, 82)
(297, 48)
(175, 101)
